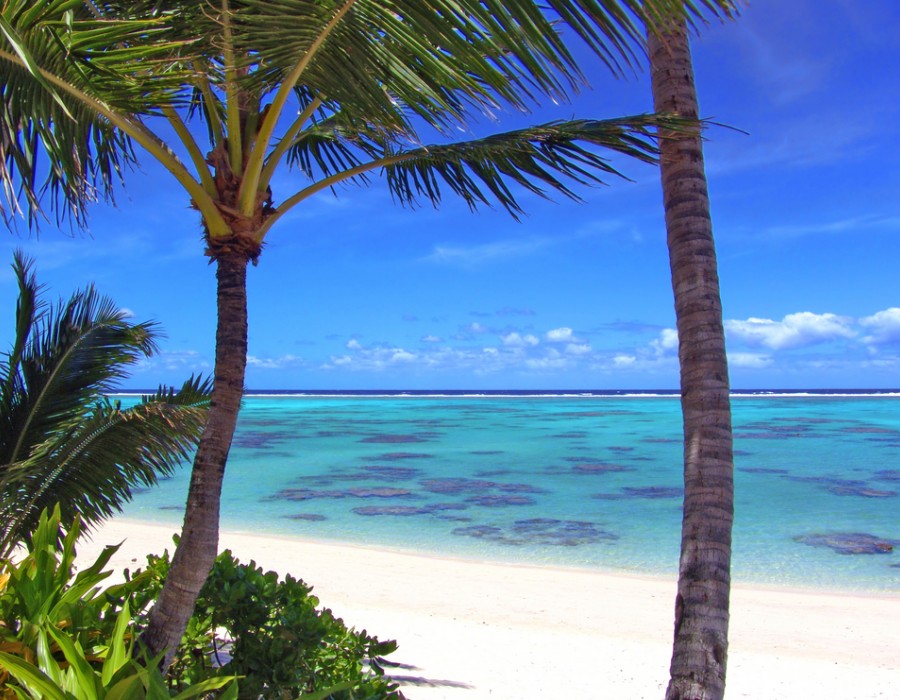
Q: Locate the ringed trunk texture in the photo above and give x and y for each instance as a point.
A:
(199, 543)
(700, 647)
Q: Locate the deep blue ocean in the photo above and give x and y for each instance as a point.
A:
(586, 479)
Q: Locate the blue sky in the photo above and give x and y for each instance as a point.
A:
(355, 292)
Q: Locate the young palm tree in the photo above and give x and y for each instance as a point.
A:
(61, 439)
(337, 91)
(700, 647)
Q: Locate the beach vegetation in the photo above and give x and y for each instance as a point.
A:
(63, 440)
(272, 632)
(66, 632)
(333, 91)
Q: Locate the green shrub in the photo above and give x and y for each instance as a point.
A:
(63, 630)
(271, 633)
(63, 635)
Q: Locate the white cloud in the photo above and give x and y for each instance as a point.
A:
(578, 348)
(624, 360)
(749, 360)
(431, 339)
(793, 331)
(883, 327)
(475, 327)
(126, 312)
(353, 345)
(273, 362)
(667, 343)
(514, 340)
(488, 252)
(561, 335)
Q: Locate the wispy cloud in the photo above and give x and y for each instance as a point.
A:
(793, 331)
(497, 251)
(883, 327)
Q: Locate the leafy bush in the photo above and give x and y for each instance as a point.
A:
(64, 636)
(62, 629)
(62, 441)
(270, 632)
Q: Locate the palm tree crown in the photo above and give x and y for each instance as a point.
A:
(62, 440)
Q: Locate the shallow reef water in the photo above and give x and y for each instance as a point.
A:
(592, 481)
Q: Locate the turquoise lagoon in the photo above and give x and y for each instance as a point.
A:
(583, 480)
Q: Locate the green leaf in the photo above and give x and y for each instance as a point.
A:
(30, 676)
(118, 653)
(85, 677)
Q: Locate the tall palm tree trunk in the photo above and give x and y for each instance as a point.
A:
(700, 646)
(198, 548)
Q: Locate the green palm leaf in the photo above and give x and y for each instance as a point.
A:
(63, 440)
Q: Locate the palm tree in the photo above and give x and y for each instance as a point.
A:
(337, 91)
(62, 440)
(702, 604)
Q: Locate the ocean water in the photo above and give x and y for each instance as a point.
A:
(585, 480)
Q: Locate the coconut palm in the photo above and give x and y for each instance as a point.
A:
(702, 604)
(62, 440)
(336, 91)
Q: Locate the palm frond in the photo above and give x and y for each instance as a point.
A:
(62, 439)
(538, 159)
(92, 467)
(542, 160)
(53, 147)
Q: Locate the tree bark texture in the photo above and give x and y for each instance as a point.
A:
(198, 548)
(699, 652)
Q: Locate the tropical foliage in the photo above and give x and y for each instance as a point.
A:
(270, 632)
(62, 440)
(66, 633)
(63, 635)
(334, 91)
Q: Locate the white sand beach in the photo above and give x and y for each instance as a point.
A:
(473, 631)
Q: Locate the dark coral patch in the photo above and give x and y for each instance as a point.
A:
(844, 487)
(850, 542)
(496, 500)
(519, 488)
(309, 517)
(486, 453)
(456, 485)
(540, 531)
(430, 509)
(479, 531)
(257, 439)
(393, 456)
(888, 475)
(869, 430)
(390, 510)
(386, 472)
(621, 448)
(859, 489)
(396, 439)
(492, 472)
(649, 492)
(379, 492)
(310, 494)
(599, 468)
(572, 435)
(762, 470)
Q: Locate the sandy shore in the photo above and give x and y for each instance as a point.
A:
(471, 630)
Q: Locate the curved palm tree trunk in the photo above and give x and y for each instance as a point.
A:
(701, 607)
(199, 543)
